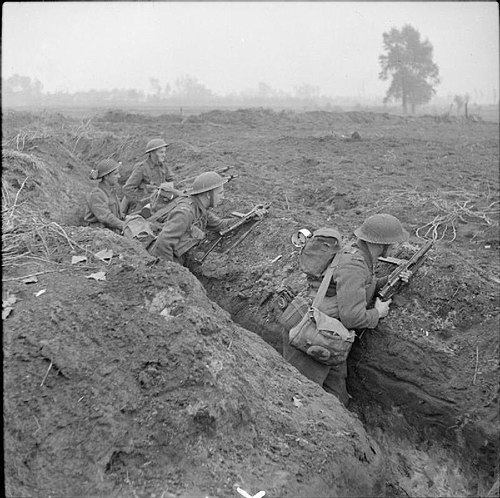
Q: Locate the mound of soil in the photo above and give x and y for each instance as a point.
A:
(140, 385)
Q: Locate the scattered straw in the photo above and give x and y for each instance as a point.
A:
(454, 212)
(477, 363)
(46, 374)
(34, 275)
(453, 206)
(25, 234)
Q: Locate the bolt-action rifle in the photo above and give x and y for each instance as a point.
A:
(243, 219)
(394, 281)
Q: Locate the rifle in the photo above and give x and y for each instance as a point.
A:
(413, 264)
(244, 219)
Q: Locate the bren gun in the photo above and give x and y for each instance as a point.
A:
(394, 281)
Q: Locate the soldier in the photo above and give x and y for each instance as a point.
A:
(103, 208)
(349, 295)
(185, 225)
(147, 176)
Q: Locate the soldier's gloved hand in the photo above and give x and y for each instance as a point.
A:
(260, 211)
(382, 307)
(405, 276)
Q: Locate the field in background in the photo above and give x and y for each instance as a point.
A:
(489, 113)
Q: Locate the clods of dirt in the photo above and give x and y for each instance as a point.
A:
(128, 377)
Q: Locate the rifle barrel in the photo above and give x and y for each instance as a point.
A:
(243, 220)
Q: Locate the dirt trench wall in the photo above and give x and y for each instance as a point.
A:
(140, 384)
(418, 169)
(421, 383)
(399, 373)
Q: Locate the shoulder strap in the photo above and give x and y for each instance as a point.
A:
(166, 209)
(328, 277)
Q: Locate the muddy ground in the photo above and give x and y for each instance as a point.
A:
(159, 382)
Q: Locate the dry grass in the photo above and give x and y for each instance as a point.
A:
(26, 136)
(452, 206)
(458, 211)
(25, 230)
(26, 161)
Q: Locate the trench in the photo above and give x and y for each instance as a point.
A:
(414, 428)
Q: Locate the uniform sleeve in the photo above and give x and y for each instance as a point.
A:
(214, 222)
(131, 187)
(177, 224)
(99, 205)
(351, 296)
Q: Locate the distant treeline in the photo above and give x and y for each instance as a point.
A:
(22, 91)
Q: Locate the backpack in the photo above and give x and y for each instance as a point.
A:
(319, 251)
(136, 227)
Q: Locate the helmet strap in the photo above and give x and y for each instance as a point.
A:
(204, 199)
(212, 198)
(154, 157)
(385, 250)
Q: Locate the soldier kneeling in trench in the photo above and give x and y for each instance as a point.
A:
(186, 223)
(350, 292)
(147, 176)
(103, 207)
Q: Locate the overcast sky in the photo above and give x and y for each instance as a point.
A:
(232, 46)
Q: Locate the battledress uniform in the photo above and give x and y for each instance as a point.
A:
(103, 209)
(185, 228)
(144, 177)
(351, 289)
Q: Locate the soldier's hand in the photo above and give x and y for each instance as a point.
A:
(260, 211)
(405, 276)
(382, 307)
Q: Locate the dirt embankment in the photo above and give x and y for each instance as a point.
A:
(140, 385)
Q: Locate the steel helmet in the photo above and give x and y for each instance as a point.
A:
(155, 143)
(382, 229)
(206, 182)
(105, 167)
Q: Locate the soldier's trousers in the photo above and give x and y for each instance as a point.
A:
(332, 379)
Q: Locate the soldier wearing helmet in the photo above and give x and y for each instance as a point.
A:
(350, 295)
(185, 225)
(103, 208)
(147, 176)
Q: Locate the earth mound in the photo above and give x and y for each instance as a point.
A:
(128, 377)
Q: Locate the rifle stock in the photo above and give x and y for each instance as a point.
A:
(413, 264)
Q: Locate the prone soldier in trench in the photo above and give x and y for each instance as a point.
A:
(147, 177)
(191, 215)
(349, 297)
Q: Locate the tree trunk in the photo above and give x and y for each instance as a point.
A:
(404, 96)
